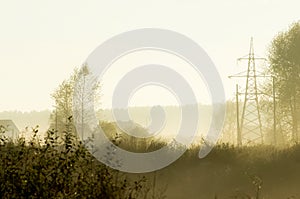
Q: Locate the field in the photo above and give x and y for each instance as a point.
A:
(47, 169)
(228, 172)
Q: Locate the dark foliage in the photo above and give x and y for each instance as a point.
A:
(51, 169)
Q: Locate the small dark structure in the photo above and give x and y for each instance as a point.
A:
(11, 130)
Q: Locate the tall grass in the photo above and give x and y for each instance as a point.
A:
(61, 167)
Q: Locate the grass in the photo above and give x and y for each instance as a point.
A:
(65, 169)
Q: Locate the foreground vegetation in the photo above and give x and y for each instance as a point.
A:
(64, 169)
(249, 172)
(60, 169)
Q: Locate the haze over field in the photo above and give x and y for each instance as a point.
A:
(149, 126)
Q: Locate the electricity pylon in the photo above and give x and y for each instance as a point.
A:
(249, 126)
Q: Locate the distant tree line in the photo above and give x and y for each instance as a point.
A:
(284, 66)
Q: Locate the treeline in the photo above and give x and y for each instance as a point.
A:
(284, 67)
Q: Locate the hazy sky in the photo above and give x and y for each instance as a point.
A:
(42, 41)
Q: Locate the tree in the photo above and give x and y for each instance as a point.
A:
(284, 57)
(85, 96)
(84, 84)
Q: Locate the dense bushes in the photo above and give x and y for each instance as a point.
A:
(50, 169)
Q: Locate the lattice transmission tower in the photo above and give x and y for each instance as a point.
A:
(249, 124)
